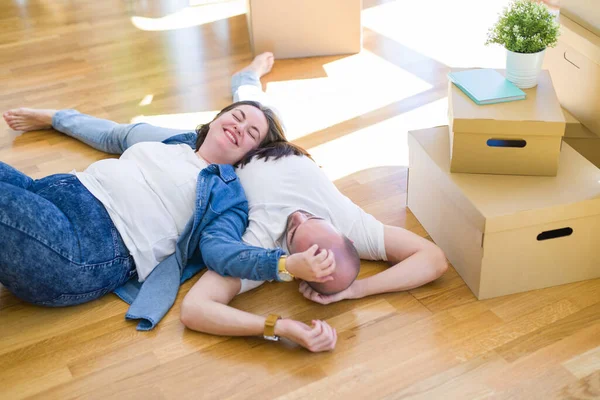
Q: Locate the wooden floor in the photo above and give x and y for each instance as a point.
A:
(436, 341)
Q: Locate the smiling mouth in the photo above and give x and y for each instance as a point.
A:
(230, 136)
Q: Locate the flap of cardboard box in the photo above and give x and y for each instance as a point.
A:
(576, 129)
(539, 114)
(509, 202)
(584, 12)
(580, 38)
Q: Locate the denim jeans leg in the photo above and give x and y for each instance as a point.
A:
(108, 136)
(59, 246)
(14, 177)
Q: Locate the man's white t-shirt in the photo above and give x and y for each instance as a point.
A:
(150, 195)
(275, 189)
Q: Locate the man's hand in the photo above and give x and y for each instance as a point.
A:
(321, 337)
(312, 266)
(311, 294)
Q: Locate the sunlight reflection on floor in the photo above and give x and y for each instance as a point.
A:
(354, 86)
(191, 16)
(382, 144)
(187, 121)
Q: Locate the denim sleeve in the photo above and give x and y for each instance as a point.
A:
(224, 252)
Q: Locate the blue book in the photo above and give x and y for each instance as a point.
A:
(486, 86)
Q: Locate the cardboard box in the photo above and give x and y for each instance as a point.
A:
(584, 12)
(516, 138)
(498, 230)
(575, 129)
(580, 138)
(587, 147)
(575, 68)
(305, 28)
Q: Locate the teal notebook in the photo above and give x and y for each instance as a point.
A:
(486, 86)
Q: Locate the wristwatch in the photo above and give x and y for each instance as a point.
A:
(282, 273)
(269, 332)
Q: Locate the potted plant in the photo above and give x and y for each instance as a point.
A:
(525, 29)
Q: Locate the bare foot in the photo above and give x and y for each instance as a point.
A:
(261, 64)
(29, 119)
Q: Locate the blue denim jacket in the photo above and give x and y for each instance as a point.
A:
(212, 237)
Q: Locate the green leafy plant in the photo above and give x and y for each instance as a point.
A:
(525, 27)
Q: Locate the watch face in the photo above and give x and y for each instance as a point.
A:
(285, 277)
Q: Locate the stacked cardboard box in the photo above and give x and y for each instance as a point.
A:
(575, 68)
(305, 28)
(519, 137)
(507, 234)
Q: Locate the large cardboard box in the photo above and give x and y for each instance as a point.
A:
(575, 68)
(507, 234)
(519, 137)
(305, 28)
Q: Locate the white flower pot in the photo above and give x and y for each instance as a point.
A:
(523, 69)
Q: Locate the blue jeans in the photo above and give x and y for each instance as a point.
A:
(59, 245)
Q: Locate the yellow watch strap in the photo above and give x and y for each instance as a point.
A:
(270, 325)
(281, 266)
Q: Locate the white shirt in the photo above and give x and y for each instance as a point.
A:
(275, 189)
(150, 195)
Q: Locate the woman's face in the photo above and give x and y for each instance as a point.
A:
(233, 134)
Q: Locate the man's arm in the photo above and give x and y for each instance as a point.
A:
(416, 261)
(205, 308)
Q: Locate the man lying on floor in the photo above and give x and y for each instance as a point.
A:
(293, 205)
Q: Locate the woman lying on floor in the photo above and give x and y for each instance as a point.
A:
(418, 261)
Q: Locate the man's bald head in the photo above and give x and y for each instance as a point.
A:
(304, 229)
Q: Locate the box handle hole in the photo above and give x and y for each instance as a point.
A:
(556, 233)
(575, 65)
(507, 143)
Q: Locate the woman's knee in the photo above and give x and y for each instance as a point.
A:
(12, 176)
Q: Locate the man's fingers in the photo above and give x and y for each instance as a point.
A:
(325, 340)
(318, 329)
(303, 287)
(333, 343)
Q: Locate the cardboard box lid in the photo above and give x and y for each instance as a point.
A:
(495, 203)
(585, 12)
(581, 39)
(539, 114)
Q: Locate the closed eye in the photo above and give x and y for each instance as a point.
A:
(253, 131)
(255, 134)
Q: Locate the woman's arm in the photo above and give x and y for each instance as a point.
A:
(205, 308)
(224, 252)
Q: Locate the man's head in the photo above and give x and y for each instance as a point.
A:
(304, 229)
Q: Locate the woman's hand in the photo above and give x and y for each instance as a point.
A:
(321, 337)
(311, 294)
(312, 265)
